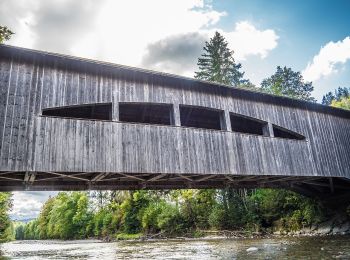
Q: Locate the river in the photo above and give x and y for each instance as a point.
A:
(269, 248)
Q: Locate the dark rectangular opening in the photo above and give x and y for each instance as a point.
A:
(248, 125)
(147, 113)
(86, 111)
(192, 116)
(285, 133)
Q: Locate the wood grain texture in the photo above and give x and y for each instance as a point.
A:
(31, 142)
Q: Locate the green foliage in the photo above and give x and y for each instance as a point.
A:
(247, 85)
(343, 103)
(125, 236)
(286, 82)
(290, 210)
(31, 230)
(217, 64)
(5, 34)
(19, 231)
(234, 209)
(133, 209)
(337, 96)
(151, 215)
(44, 217)
(171, 221)
(216, 217)
(64, 217)
(71, 215)
(5, 222)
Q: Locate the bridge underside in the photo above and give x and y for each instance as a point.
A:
(311, 186)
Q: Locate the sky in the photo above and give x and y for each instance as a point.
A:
(312, 37)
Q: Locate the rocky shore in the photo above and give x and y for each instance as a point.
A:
(339, 225)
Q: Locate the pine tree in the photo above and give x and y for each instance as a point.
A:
(286, 82)
(328, 98)
(5, 34)
(217, 63)
(338, 95)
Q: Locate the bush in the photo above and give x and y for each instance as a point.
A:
(216, 217)
(150, 217)
(171, 221)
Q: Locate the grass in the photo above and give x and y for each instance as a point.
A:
(124, 236)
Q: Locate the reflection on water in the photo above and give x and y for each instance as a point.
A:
(276, 248)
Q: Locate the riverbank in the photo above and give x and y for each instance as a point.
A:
(153, 214)
(325, 229)
(333, 227)
(325, 247)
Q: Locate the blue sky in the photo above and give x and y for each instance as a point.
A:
(312, 37)
(303, 28)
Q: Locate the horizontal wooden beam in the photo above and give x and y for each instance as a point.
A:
(100, 176)
(131, 176)
(206, 178)
(157, 177)
(68, 176)
(10, 178)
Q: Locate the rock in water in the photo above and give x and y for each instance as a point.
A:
(252, 249)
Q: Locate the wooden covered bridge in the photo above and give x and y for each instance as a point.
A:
(73, 124)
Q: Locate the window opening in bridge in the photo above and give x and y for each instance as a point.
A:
(147, 113)
(285, 133)
(248, 125)
(86, 111)
(192, 116)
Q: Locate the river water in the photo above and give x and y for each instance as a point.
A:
(271, 248)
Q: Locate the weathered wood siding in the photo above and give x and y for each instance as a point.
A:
(30, 142)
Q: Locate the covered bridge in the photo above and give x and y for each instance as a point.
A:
(68, 123)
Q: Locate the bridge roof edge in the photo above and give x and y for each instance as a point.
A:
(14, 51)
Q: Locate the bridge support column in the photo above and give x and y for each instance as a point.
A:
(176, 115)
(225, 121)
(268, 130)
(115, 111)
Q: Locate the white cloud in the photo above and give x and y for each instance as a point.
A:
(326, 61)
(247, 40)
(179, 53)
(27, 204)
(111, 30)
(176, 54)
(123, 31)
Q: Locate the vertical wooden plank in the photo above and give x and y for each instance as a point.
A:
(176, 114)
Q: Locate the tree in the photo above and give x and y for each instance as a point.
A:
(19, 233)
(44, 218)
(343, 103)
(5, 34)
(286, 82)
(217, 64)
(336, 96)
(5, 222)
(327, 99)
(246, 84)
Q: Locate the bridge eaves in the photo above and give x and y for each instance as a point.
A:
(173, 80)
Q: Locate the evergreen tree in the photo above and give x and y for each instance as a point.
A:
(338, 95)
(286, 82)
(327, 99)
(5, 34)
(5, 222)
(19, 233)
(341, 93)
(217, 64)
